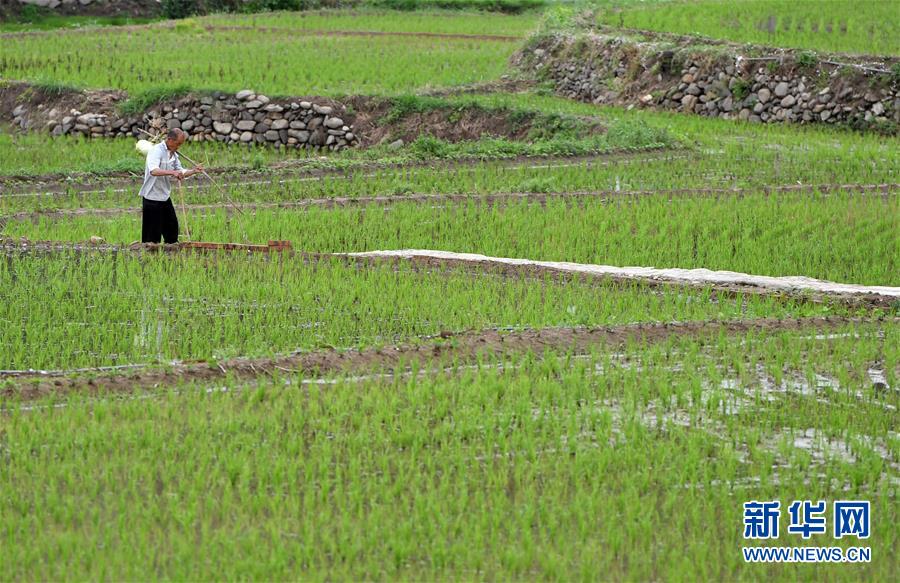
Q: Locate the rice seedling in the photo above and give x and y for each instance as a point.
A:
(367, 19)
(627, 460)
(850, 238)
(232, 60)
(101, 310)
(866, 26)
(553, 468)
(721, 154)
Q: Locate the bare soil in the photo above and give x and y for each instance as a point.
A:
(374, 125)
(446, 347)
(13, 94)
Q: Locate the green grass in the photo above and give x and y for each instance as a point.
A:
(144, 100)
(128, 309)
(240, 59)
(119, 155)
(539, 470)
(53, 22)
(367, 19)
(839, 237)
(850, 26)
(631, 463)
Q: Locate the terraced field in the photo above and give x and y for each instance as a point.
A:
(865, 26)
(573, 356)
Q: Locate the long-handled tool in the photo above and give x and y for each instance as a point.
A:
(187, 230)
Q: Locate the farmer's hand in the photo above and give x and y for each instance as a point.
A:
(179, 175)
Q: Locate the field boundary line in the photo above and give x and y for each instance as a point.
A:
(363, 33)
(697, 276)
(884, 190)
(150, 26)
(456, 347)
(730, 283)
(14, 184)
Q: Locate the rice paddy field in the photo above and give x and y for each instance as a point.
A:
(507, 391)
(860, 26)
(415, 52)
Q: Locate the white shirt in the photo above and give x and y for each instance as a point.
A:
(158, 187)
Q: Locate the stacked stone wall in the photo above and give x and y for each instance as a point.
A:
(608, 69)
(243, 118)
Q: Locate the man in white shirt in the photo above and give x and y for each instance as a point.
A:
(163, 165)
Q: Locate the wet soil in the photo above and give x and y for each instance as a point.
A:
(446, 347)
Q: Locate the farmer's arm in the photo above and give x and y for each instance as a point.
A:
(196, 170)
(154, 161)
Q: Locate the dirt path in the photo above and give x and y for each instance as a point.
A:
(601, 196)
(447, 347)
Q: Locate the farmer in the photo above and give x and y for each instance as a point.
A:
(163, 166)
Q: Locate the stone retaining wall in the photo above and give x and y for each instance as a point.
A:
(242, 118)
(610, 69)
(92, 7)
(55, 3)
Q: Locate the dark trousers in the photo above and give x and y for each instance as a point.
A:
(159, 222)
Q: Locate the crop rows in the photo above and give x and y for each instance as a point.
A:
(236, 59)
(497, 198)
(857, 26)
(447, 352)
(829, 159)
(184, 414)
(645, 442)
(647, 172)
(841, 237)
(122, 309)
(384, 21)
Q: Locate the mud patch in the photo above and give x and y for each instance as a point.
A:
(448, 347)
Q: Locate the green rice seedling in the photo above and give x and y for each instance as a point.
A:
(233, 59)
(515, 468)
(367, 19)
(99, 310)
(841, 237)
(867, 26)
